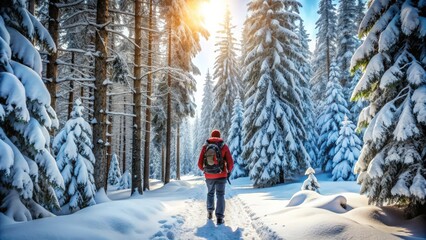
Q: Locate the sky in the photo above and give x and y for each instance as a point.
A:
(213, 13)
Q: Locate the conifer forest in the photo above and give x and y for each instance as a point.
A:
(105, 106)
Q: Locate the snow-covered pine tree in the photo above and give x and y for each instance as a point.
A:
(311, 183)
(305, 69)
(273, 120)
(73, 150)
(360, 8)
(346, 40)
(392, 162)
(188, 163)
(235, 140)
(348, 14)
(114, 173)
(347, 150)
(185, 29)
(335, 109)
(355, 107)
(206, 123)
(196, 139)
(28, 172)
(324, 52)
(125, 181)
(227, 75)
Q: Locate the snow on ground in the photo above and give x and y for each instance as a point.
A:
(177, 211)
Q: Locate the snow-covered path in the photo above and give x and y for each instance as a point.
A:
(177, 210)
(192, 222)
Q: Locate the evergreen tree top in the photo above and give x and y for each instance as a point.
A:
(77, 110)
(310, 170)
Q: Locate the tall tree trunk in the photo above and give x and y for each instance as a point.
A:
(31, 6)
(169, 108)
(109, 136)
(137, 108)
(148, 104)
(71, 93)
(328, 59)
(178, 152)
(163, 164)
(52, 66)
(100, 100)
(119, 143)
(124, 137)
(82, 93)
(109, 116)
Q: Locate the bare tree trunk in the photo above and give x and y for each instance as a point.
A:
(124, 137)
(169, 108)
(109, 137)
(148, 105)
(71, 93)
(163, 164)
(82, 93)
(137, 108)
(100, 100)
(119, 141)
(52, 66)
(178, 152)
(109, 116)
(31, 6)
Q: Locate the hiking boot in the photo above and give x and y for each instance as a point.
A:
(209, 215)
(220, 221)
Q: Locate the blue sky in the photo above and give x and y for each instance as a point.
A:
(205, 59)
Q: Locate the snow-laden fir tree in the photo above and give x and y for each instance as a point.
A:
(73, 150)
(349, 12)
(114, 173)
(197, 141)
(305, 69)
(187, 162)
(206, 123)
(355, 106)
(28, 172)
(347, 150)
(335, 109)
(125, 181)
(346, 39)
(235, 140)
(185, 29)
(360, 8)
(227, 75)
(392, 163)
(325, 51)
(273, 120)
(311, 183)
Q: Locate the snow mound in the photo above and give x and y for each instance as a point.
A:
(175, 186)
(101, 196)
(334, 203)
(342, 216)
(124, 219)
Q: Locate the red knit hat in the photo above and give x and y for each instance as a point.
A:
(216, 133)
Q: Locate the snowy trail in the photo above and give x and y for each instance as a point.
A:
(192, 223)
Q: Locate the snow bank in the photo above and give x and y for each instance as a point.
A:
(339, 212)
(130, 218)
(111, 220)
(177, 211)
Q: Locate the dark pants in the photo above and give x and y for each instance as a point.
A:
(217, 185)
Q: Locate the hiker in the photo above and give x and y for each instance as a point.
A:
(216, 163)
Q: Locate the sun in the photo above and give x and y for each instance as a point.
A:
(213, 12)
